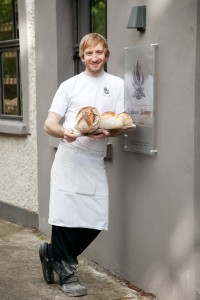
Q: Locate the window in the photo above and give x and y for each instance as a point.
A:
(10, 89)
(90, 16)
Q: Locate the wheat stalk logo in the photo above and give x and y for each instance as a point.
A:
(138, 81)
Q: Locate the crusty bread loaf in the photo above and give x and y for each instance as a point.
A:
(110, 120)
(87, 119)
(126, 119)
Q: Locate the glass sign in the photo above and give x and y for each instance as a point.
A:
(139, 81)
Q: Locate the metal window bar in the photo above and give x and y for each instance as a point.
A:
(18, 86)
(13, 19)
(1, 85)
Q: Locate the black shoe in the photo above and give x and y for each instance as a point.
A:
(70, 267)
(72, 287)
(62, 271)
(46, 262)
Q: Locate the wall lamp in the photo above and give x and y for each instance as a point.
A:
(137, 18)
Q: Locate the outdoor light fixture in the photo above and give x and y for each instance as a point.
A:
(138, 18)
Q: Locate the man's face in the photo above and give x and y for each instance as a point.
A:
(94, 60)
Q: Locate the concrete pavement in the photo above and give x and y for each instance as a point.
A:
(21, 276)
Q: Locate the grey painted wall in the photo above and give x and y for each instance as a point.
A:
(197, 155)
(46, 84)
(152, 213)
(53, 64)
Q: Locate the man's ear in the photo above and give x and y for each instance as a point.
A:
(82, 59)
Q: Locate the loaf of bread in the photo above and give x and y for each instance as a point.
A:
(87, 120)
(126, 119)
(110, 120)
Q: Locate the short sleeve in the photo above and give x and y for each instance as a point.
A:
(60, 101)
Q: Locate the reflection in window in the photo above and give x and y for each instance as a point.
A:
(10, 99)
(98, 17)
(10, 85)
(90, 17)
(8, 20)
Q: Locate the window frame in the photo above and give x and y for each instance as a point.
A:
(8, 46)
(19, 125)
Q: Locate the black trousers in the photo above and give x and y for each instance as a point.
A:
(68, 243)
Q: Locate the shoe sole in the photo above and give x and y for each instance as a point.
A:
(42, 251)
(73, 295)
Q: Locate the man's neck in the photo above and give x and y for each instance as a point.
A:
(94, 74)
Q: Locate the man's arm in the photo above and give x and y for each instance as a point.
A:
(53, 128)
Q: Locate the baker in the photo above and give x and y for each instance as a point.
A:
(78, 208)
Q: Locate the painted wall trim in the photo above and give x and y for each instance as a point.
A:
(18, 215)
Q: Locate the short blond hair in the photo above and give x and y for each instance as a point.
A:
(91, 39)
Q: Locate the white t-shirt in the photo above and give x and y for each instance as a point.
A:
(105, 92)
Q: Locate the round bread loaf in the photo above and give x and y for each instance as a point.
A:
(87, 119)
(126, 119)
(110, 120)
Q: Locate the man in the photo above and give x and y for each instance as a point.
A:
(78, 209)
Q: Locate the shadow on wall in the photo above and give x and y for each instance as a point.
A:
(174, 277)
(152, 233)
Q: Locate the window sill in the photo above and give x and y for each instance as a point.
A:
(13, 127)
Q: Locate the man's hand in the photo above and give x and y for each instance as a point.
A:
(102, 135)
(70, 135)
(116, 132)
(107, 133)
(52, 127)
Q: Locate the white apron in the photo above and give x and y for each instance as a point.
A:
(79, 189)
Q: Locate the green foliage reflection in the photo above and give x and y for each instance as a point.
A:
(98, 16)
(8, 20)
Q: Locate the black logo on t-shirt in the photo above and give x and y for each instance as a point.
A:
(106, 90)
